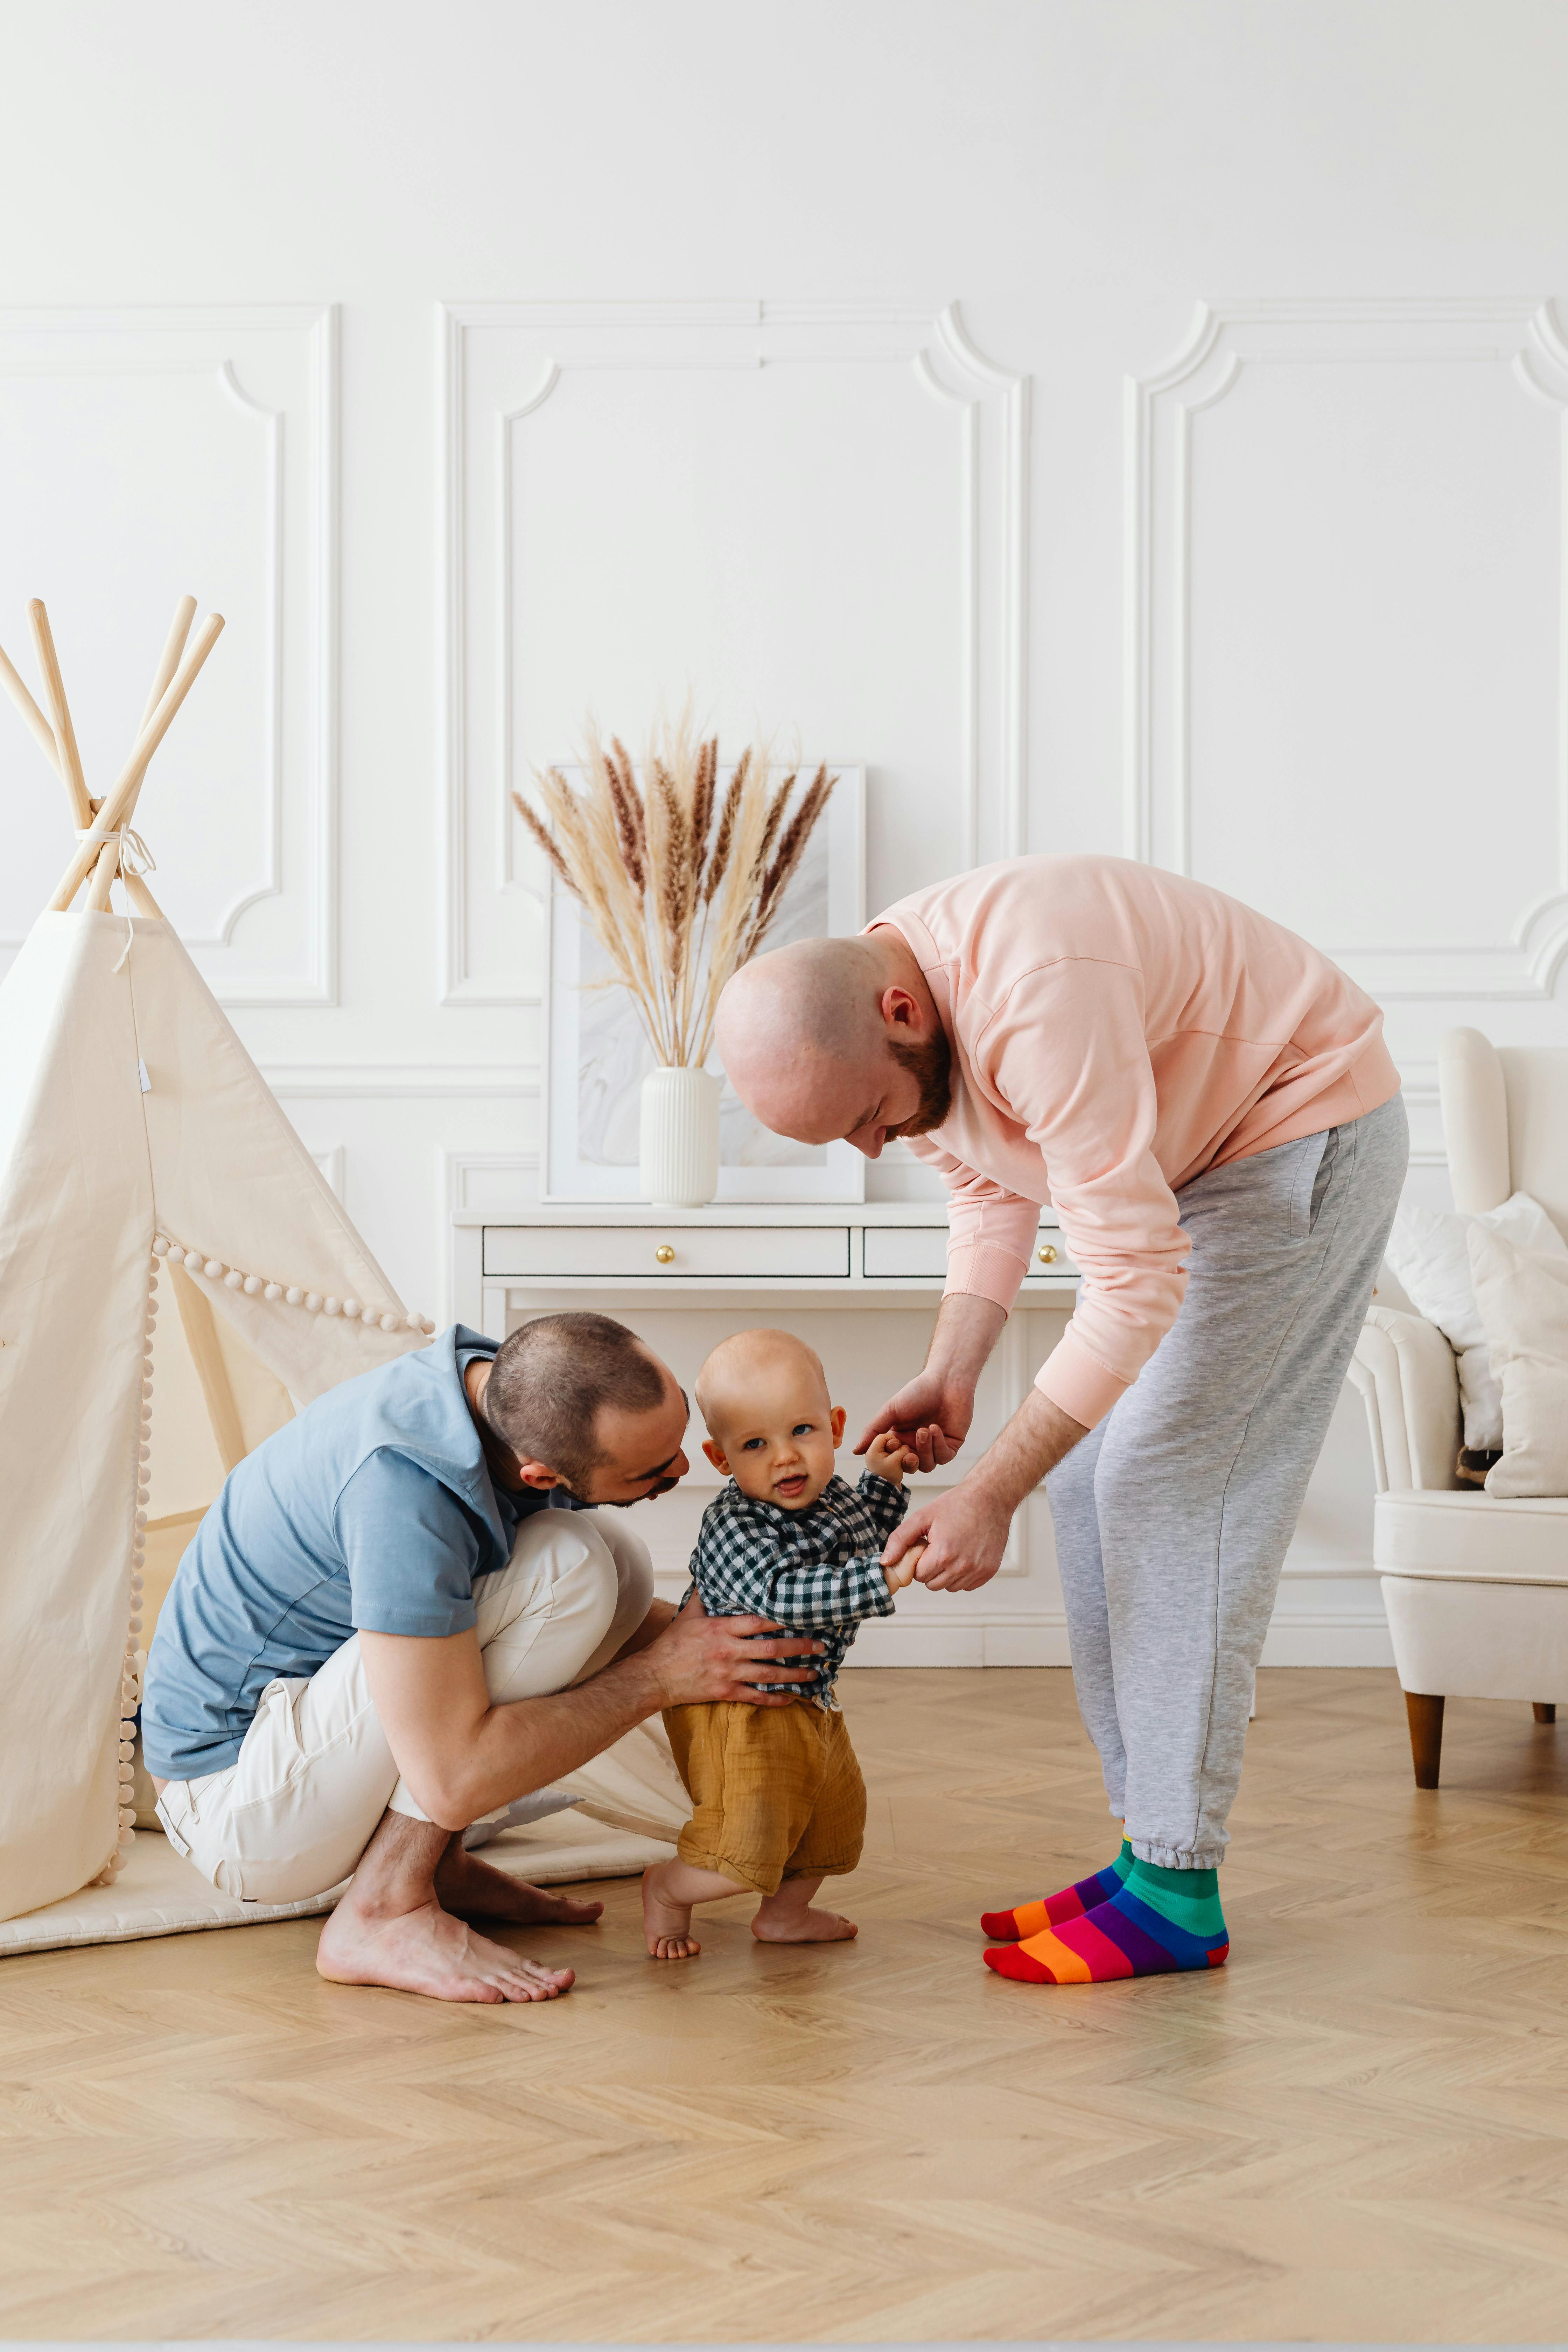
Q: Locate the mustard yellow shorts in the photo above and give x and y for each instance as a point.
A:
(775, 1791)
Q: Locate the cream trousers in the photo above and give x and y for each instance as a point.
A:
(293, 1814)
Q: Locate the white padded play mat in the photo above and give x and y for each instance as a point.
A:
(159, 1894)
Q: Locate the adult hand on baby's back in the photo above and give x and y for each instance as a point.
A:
(964, 1533)
(699, 1658)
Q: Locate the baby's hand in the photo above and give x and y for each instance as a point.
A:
(886, 1457)
(902, 1572)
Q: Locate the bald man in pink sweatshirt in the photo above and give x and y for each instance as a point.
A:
(1208, 1103)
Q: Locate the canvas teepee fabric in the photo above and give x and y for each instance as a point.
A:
(176, 1276)
(154, 1203)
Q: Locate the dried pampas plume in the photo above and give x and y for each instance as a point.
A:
(677, 901)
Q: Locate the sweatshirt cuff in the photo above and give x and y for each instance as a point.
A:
(985, 1272)
(1077, 1383)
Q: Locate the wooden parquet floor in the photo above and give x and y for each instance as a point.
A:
(1359, 2130)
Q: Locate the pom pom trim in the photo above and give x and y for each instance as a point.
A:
(275, 1292)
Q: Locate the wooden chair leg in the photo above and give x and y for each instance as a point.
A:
(1425, 1735)
(1545, 1711)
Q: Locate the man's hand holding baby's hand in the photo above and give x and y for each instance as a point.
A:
(902, 1571)
(887, 1458)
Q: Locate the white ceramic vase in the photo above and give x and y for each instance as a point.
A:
(678, 1162)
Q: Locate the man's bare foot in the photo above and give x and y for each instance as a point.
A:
(476, 1890)
(426, 1950)
(801, 1926)
(666, 1923)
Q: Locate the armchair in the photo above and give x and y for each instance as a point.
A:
(1475, 1585)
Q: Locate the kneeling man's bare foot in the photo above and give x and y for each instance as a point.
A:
(667, 1924)
(787, 1917)
(426, 1950)
(477, 1890)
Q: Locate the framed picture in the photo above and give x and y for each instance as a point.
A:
(596, 1054)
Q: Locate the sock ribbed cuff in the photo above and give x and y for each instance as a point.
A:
(1193, 1883)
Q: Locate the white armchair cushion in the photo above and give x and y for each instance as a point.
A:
(1429, 1252)
(1405, 1371)
(1522, 1295)
(1464, 1535)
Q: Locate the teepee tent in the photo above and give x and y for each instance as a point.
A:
(175, 1277)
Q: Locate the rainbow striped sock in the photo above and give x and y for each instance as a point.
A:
(1071, 1903)
(1157, 1920)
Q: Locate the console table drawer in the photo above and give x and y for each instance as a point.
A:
(559, 1252)
(894, 1250)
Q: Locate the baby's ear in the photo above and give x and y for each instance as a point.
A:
(836, 1419)
(716, 1456)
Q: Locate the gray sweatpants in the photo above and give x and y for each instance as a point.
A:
(1171, 1518)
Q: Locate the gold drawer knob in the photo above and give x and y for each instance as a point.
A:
(1048, 1254)
(665, 1255)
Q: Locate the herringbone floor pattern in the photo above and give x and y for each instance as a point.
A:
(1357, 2130)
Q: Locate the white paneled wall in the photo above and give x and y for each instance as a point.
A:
(669, 492)
(150, 452)
(1121, 424)
(1346, 622)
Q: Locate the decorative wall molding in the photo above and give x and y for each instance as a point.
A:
(517, 1169)
(458, 1166)
(326, 461)
(331, 1164)
(394, 1081)
(270, 421)
(1522, 336)
(239, 348)
(1420, 1086)
(556, 340)
(996, 1636)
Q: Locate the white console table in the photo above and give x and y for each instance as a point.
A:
(861, 1282)
(894, 1253)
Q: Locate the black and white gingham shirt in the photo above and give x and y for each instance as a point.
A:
(818, 1572)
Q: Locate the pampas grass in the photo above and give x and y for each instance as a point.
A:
(678, 900)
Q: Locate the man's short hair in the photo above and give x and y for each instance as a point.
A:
(550, 1381)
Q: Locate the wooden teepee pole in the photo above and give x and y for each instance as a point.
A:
(29, 709)
(69, 758)
(141, 898)
(97, 897)
(168, 663)
(104, 875)
(169, 659)
(117, 804)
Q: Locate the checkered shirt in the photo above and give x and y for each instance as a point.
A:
(817, 1571)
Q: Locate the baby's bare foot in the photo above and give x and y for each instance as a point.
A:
(666, 1924)
(803, 1927)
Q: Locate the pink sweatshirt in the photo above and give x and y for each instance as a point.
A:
(1116, 1030)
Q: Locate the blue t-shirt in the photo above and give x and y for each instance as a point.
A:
(372, 1508)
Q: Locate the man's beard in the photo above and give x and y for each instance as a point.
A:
(931, 1065)
(624, 1502)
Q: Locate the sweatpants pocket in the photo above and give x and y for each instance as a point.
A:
(1310, 1185)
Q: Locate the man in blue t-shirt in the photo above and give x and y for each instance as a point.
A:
(383, 1632)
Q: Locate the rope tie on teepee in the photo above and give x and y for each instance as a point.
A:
(135, 857)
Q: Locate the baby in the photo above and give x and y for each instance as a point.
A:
(778, 1801)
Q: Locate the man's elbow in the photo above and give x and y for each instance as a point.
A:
(445, 1792)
